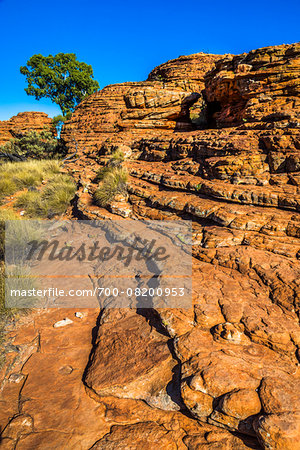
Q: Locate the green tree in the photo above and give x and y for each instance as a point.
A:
(61, 78)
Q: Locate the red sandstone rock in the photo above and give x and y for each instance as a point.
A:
(23, 122)
(261, 86)
(228, 366)
(124, 112)
(144, 373)
(188, 72)
(239, 185)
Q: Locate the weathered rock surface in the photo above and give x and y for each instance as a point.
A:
(23, 122)
(169, 100)
(44, 403)
(150, 435)
(188, 72)
(147, 368)
(260, 86)
(223, 374)
(238, 347)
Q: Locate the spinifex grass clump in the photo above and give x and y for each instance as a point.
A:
(9, 314)
(117, 157)
(49, 200)
(5, 214)
(114, 182)
(101, 173)
(20, 175)
(5, 313)
(41, 200)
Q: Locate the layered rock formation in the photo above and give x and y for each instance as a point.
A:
(260, 86)
(238, 348)
(223, 374)
(187, 72)
(23, 122)
(169, 100)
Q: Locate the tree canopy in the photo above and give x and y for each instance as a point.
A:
(62, 78)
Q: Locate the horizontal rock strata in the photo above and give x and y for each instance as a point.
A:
(238, 347)
(214, 140)
(23, 122)
(260, 86)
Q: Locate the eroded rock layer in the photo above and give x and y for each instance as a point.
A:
(223, 374)
(171, 99)
(260, 86)
(23, 122)
(188, 72)
(238, 347)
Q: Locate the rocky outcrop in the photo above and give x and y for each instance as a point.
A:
(261, 86)
(23, 122)
(242, 333)
(186, 72)
(223, 373)
(169, 100)
(129, 109)
(238, 347)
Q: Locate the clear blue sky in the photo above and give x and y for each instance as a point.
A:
(124, 40)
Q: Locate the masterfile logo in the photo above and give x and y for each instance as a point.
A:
(113, 263)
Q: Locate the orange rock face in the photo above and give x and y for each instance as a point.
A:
(188, 72)
(261, 86)
(223, 374)
(22, 122)
(169, 100)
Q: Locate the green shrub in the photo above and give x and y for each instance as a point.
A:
(9, 314)
(32, 203)
(58, 193)
(113, 183)
(117, 155)
(116, 158)
(5, 313)
(33, 145)
(7, 187)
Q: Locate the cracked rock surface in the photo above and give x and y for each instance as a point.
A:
(224, 373)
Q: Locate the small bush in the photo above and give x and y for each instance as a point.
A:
(113, 183)
(7, 187)
(58, 193)
(33, 145)
(27, 179)
(32, 203)
(9, 314)
(5, 313)
(116, 158)
(103, 172)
